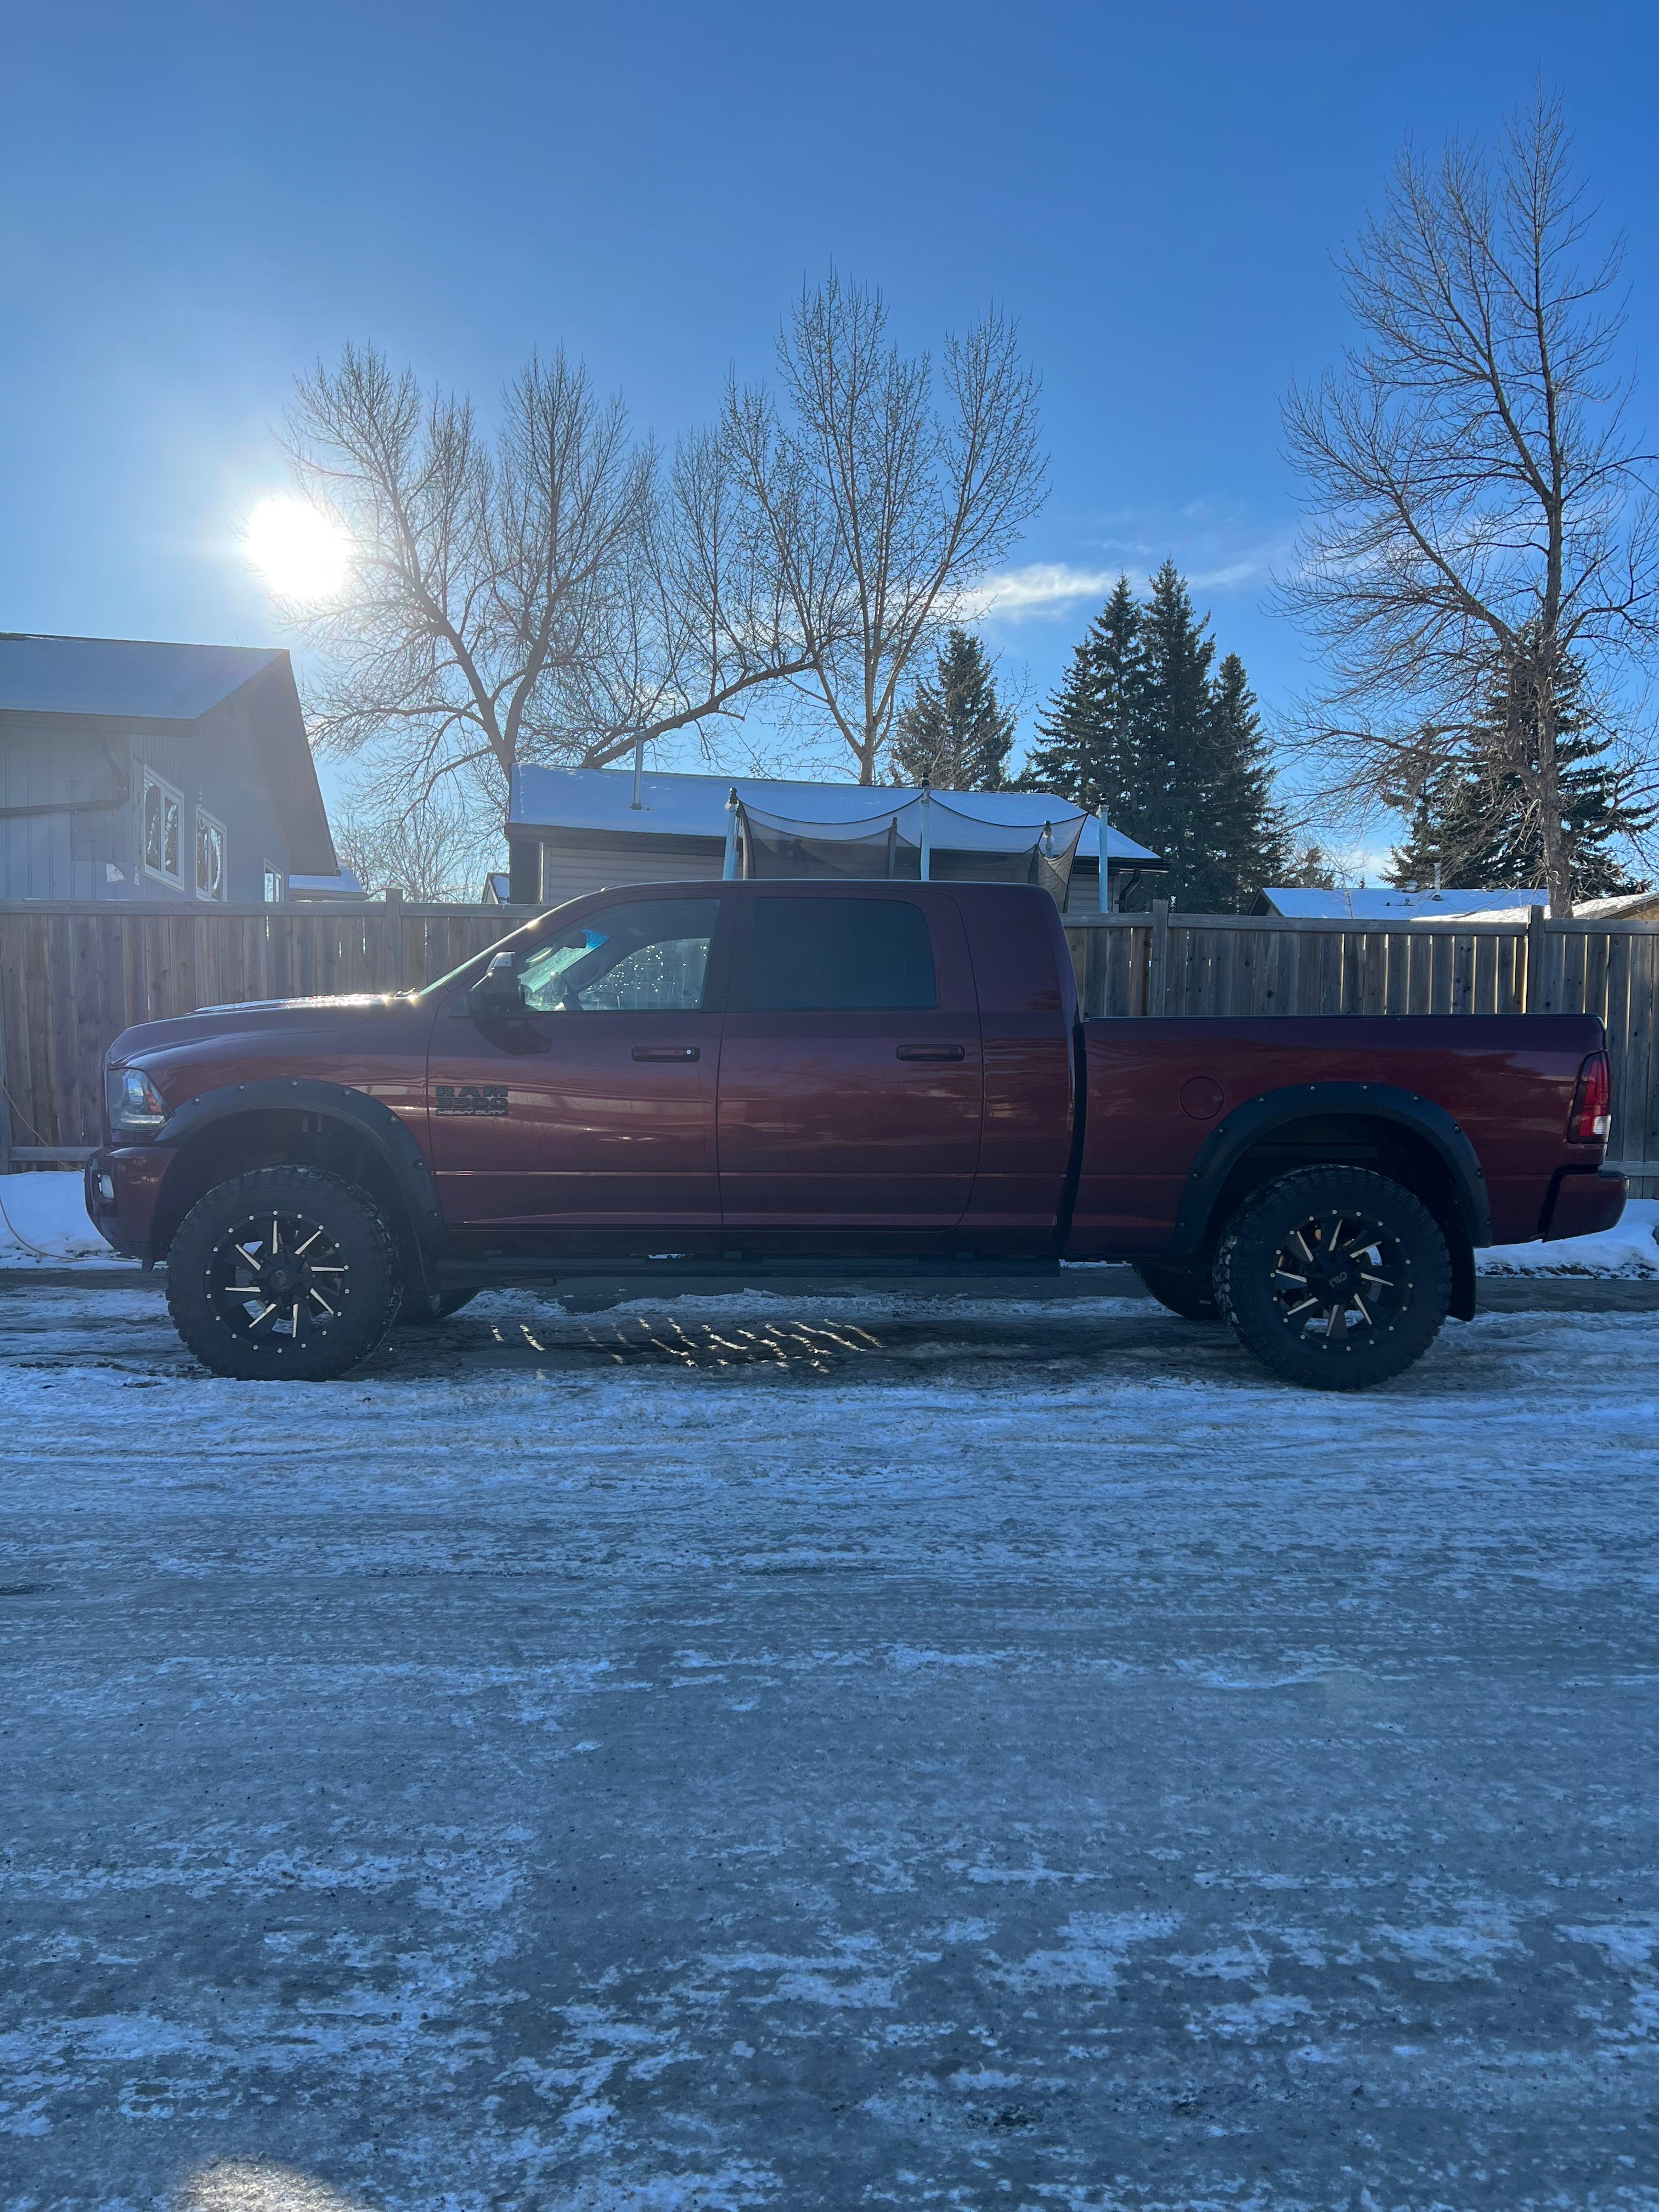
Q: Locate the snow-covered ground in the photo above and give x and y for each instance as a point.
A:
(43, 1222)
(828, 1755)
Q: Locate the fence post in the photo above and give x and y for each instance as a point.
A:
(1157, 968)
(392, 945)
(1535, 918)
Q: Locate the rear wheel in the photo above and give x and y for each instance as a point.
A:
(1188, 1292)
(284, 1273)
(1335, 1278)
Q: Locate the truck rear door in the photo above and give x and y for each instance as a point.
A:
(851, 1081)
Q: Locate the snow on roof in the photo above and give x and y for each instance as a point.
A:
(1383, 904)
(121, 675)
(695, 806)
(1629, 906)
(341, 884)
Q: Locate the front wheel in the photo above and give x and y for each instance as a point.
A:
(1335, 1278)
(283, 1274)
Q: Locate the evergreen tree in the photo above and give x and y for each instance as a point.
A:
(1474, 821)
(955, 731)
(1248, 845)
(1091, 733)
(1178, 758)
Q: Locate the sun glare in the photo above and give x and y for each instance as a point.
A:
(298, 553)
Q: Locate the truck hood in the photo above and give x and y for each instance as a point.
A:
(265, 1025)
(359, 1001)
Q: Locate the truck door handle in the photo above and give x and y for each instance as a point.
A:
(668, 1052)
(932, 1052)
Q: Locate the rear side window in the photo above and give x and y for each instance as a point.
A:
(841, 955)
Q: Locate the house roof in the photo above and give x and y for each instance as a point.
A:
(132, 677)
(1383, 904)
(600, 799)
(1627, 906)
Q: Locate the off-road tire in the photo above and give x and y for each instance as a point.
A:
(421, 1308)
(1373, 1249)
(213, 1289)
(1187, 1291)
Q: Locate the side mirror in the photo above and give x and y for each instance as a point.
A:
(498, 991)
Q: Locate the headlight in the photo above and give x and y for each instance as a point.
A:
(135, 1106)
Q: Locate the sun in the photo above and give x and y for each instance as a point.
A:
(299, 552)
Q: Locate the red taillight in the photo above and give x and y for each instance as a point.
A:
(1592, 1102)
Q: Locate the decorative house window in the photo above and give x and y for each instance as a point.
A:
(210, 856)
(273, 885)
(163, 816)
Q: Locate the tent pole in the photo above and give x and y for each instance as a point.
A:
(638, 799)
(729, 866)
(923, 797)
(1105, 886)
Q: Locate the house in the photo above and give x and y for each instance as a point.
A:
(1384, 904)
(572, 830)
(131, 770)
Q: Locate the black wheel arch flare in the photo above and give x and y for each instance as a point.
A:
(367, 1118)
(1255, 1119)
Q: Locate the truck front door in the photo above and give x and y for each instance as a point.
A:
(591, 1107)
(851, 1082)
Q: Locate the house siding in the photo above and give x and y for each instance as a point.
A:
(598, 863)
(215, 764)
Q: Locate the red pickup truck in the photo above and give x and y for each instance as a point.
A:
(831, 1076)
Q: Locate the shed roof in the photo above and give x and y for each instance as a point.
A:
(601, 799)
(1383, 904)
(133, 677)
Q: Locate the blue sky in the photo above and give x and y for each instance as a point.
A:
(200, 201)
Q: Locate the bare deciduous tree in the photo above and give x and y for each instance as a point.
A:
(1482, 510)
(552, 594)
(434, 847)
(881, 504)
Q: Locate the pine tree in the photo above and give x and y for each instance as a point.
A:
(1178, 764)
(955, 731)
(1472, 820)
(1248, 845)
(1092, 732)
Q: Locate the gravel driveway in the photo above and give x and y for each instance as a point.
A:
(833, 1755)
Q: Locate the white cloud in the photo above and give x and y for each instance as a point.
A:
(1042, 588)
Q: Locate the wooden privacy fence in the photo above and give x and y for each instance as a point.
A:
(72, 977)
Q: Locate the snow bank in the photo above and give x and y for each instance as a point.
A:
(47, 1212)
(43, 1222)
(1631, 1248)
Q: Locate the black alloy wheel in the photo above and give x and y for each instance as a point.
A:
(284, 1273)
(1184, 1288)
(1336, 1278)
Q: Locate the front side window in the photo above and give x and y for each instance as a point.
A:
(210, 856)
(163, 812)
(842, 954)
(648, 954)
(273, 893)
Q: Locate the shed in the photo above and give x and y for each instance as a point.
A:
(135, 769)
(572, 830)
